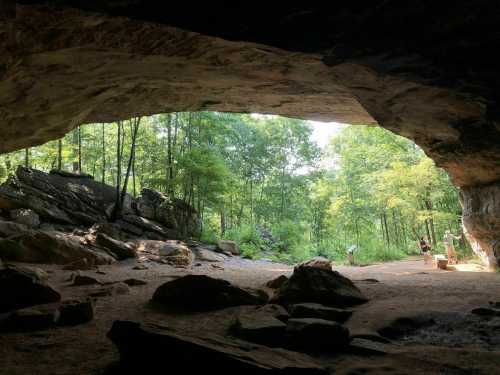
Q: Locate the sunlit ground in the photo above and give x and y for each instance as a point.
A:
(467, 267)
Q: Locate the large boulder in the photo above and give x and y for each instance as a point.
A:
(205, 255)
(317, 285)
(318, 262)
(227, 246)
(76, 311)
(203, 293)
(121, 250)
(25, 216)
(65, 313)
(30, 319)
(139, 225)
(202, 353)
(173, 252)
(58, 197)
(24, 287)
(50, 247)
(170, 212)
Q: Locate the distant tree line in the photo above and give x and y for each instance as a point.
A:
(246, 174)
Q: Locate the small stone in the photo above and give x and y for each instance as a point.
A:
(140, 267)
(485, 311)
(73, 312)
(81, 280)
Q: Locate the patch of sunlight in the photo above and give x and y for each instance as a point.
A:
(468, 267)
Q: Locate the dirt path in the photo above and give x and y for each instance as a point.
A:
(395, 289)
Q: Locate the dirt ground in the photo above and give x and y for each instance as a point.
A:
(396, 289)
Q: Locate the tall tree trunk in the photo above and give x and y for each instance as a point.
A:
(118, 209)
(59, 154)
(103, 155)
(80, 149)
(427, 230)
(134, 189)
(428, 205)
(170, 168)
(222, 221)
(27, 157)
(382, 229)
(136, 123)
(74, 150)
(384, 216)
(396, 229)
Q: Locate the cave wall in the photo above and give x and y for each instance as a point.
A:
(422, 70)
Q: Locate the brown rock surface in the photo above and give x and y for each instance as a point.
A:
(203, 293)
(317, 285)
(481, 221)
(24, 287)
(50, 247)
(212, 353)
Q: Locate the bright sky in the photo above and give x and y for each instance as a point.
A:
(323, 131)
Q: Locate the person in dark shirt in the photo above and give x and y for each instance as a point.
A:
(425, 248)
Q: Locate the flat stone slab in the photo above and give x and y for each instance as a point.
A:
(316, 310)
(145, 348)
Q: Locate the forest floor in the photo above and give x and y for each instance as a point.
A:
(396, 289)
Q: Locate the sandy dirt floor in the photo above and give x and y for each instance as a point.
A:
(396, 289)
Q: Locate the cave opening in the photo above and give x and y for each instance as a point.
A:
(281, 188)
(422, 70)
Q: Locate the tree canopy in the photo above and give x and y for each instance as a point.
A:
(263, 181)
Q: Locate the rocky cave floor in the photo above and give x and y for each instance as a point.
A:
(458, 342)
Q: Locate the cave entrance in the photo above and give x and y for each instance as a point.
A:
(281, 188)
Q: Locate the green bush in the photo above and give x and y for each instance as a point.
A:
(248, 240)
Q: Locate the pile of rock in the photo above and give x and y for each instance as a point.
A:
(30, 303)
(64, 218)
(268, 335)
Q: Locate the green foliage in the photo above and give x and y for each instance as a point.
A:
(368, 188)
